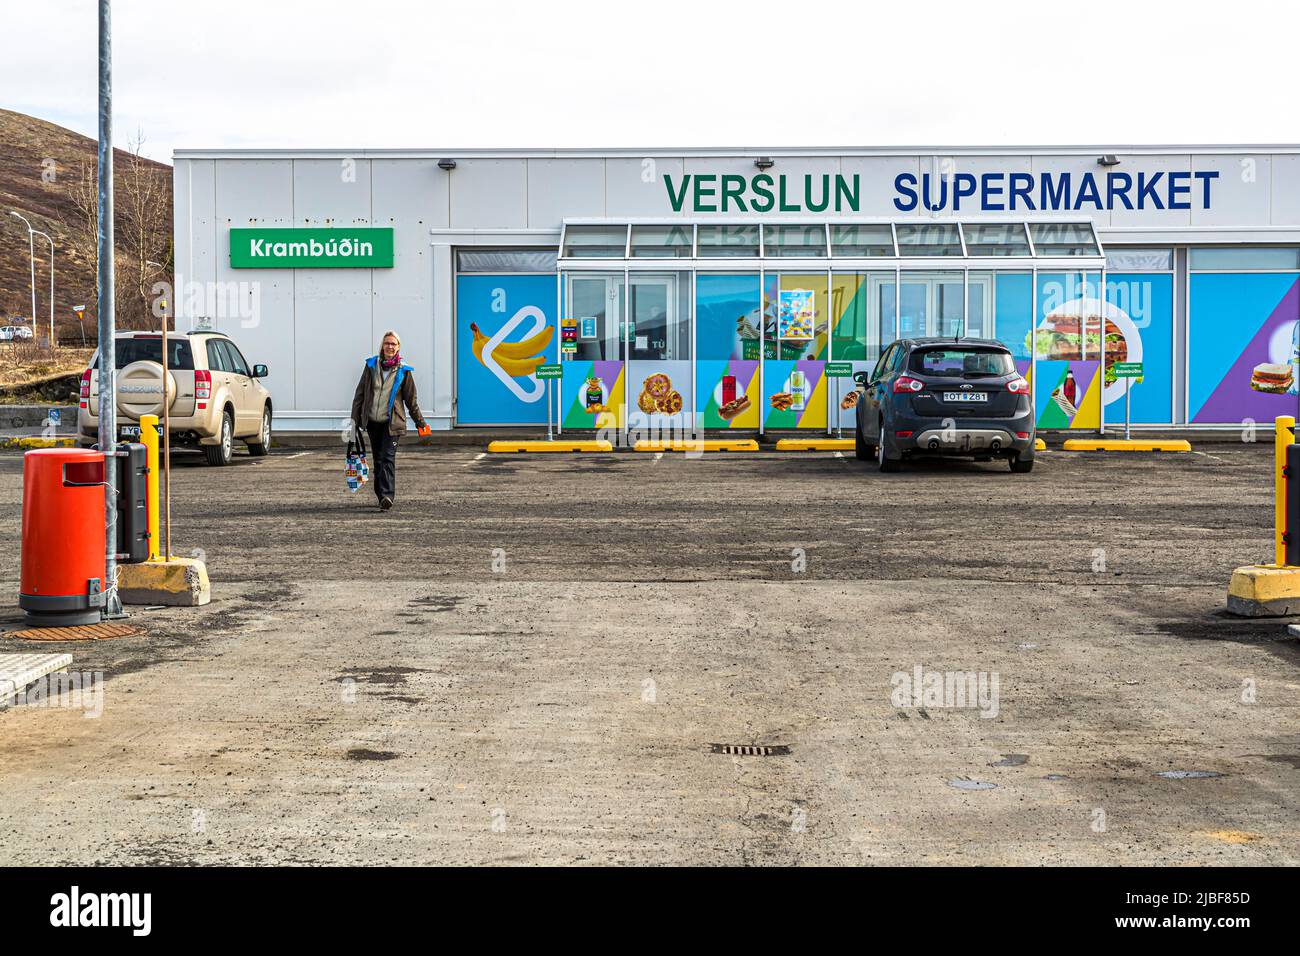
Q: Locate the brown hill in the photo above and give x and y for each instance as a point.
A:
(47, 173)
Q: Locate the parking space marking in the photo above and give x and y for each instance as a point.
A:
(658, 455)
(481, 454)
(1208, 455)
(297, 455)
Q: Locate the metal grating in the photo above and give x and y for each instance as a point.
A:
(751, 750)
(19, 670)
(81, 632)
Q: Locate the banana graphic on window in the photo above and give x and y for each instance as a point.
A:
(512, 360)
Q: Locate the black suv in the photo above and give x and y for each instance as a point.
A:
(945, 396)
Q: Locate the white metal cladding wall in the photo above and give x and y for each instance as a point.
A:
(313, 327)
(248, 193)
(411, 195)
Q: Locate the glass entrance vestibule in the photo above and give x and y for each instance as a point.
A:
(756, 326)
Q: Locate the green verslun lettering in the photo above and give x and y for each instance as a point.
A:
(678, 197)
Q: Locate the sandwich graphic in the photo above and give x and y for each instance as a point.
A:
(1274, 377)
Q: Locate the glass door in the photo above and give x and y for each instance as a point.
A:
(592, 390)
(597, 305)
(979, 307)
(930, 304)
(659, 351)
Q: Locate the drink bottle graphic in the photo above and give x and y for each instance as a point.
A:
(728, 389)
(797, 382)
(1069, 389)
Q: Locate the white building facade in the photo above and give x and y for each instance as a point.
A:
(736, 289)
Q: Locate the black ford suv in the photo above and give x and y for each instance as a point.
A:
(945, 396)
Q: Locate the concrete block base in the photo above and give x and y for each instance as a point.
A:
(1264, 590)
(180, 582)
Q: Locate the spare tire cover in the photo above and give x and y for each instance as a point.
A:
(140, 389)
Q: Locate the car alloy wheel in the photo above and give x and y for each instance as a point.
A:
(219, 454)
(886, 463)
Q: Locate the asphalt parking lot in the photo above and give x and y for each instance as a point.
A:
(532, 658)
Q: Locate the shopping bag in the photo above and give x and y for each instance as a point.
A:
(363, 466)
(351, 468)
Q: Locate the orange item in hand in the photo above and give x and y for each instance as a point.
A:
(424, 431)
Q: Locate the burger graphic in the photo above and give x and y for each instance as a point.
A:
(1077, 330)
(1072, 337)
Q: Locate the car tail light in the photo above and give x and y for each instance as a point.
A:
(202, 383)
(1022, 435)
(902, 434)
(85, 388)
(904, 384)
(1018, 386)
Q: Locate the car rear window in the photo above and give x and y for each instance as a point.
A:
(961, 361)
(149, 349)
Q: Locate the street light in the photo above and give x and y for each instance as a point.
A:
(51, 242)
(31, 251)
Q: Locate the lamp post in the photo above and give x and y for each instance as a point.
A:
(105, 312)
(51, 242)
(31, 252)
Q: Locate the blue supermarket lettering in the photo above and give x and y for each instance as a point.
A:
(1052, 192)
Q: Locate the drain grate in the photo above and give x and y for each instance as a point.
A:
(751, 750)
(81, 632)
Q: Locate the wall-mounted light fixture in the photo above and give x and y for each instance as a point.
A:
(447, 164)
(1109, 159)
(764, 162)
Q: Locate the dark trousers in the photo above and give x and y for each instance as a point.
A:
(383, 460)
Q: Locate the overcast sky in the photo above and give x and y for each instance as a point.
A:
(390, 73)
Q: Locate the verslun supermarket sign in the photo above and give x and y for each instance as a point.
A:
(341, 248)
(987, 192)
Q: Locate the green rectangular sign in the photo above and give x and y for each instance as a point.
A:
(1127, 369)
(550, 371)
(345, 247)
(839, 369)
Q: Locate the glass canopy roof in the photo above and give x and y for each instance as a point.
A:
(929, 240)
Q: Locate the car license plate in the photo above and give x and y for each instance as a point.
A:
(965, 396)
(133, 431)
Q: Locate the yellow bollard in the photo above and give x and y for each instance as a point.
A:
(149, 438)
(1283, 436)
(1270, 590)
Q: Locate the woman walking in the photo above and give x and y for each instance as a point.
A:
(385, 394)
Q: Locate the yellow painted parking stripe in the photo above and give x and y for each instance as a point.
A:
(36, 442)
(734, 444)
(815, 444)
(504, 447)
(1119, 444)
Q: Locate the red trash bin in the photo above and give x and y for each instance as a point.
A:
(63, 537)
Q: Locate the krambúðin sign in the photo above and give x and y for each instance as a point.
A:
(341, 248)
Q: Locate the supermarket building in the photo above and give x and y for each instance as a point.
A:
(675, 286)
